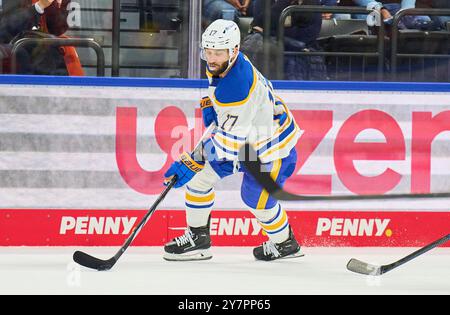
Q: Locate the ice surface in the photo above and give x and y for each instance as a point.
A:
(141, 270)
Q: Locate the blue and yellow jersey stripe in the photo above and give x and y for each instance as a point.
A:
(282, 137)
(229, 144)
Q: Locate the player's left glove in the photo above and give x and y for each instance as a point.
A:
(208, 113)
(184, 170)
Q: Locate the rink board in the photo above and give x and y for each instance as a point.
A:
(90, 153)
(74, 227)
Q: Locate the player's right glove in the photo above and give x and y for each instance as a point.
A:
(208, 113)
(184, 170)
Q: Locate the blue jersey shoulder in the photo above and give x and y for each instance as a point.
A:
(238, 84)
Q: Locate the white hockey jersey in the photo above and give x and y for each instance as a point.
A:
(246, 104)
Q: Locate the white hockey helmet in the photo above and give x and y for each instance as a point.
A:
(221, 34)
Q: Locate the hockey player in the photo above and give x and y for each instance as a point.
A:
(244, 107)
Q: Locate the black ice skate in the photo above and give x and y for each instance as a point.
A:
(193, 245)
(271, 251)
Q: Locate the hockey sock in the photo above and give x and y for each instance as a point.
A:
(198, 206)
(274, 222)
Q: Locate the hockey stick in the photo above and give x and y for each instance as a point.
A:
(361, 267)
(248, 157)
(89, 261)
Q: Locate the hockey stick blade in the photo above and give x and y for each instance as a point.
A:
(364, 268)
(102, 265)
(248, 157)
(89, 261)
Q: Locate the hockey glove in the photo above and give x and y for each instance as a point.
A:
(208, 113)
(184, 170)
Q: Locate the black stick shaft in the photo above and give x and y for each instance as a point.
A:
(249, 159)
(417, 253)
(362, 267)
(144, 220)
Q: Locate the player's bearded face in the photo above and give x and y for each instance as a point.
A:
(217, 59)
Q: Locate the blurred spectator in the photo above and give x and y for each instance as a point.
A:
(441, 21)
(304, 27)
(390, 7)
(39, 19)
(330, 3)
(301, 32)
(333, 3)
(226, 9)
(47, 15)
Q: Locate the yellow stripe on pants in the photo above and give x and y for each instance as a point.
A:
(264, 197)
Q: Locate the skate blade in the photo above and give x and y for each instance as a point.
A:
(296, 255)
(196, 255)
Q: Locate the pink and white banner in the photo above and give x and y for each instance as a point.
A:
(69, 152)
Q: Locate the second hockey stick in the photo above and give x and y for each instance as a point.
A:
(92, 262)
(364, 268)
(248, 157)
